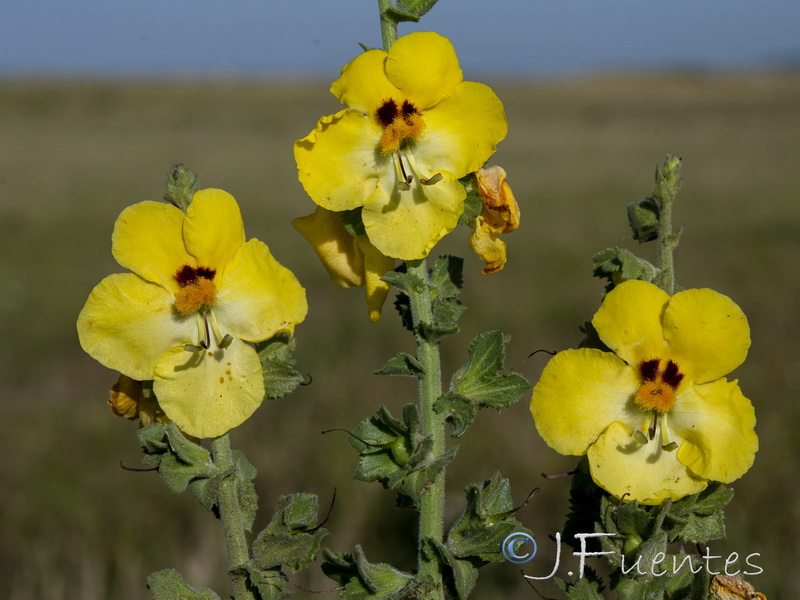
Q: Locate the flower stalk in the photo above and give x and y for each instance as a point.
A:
(667, 185)
(388, 24)
(230, 514)
(430, 388)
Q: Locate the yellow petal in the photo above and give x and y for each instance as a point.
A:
(462, 131)
(208, 393)
(629, 321)
(645, 472)
(147, 239)
(257, 296)
(213, 230)
(363, 84)
(339, 163)
(424, 66)
(579, 393)
(336, 248)
(489, 248)
(376, 265)
(707, 332)
(717, 424)
(128, 323)
(407, 223)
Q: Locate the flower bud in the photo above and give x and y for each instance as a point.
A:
(180, 186)
(643, 217)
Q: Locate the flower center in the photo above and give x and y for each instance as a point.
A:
(197, 290)
(401, 124)
(657, 392)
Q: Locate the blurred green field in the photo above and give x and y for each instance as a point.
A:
(73, 524)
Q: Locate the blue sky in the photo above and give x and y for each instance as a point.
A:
(315, 37)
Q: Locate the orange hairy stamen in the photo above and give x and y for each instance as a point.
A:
(402, 129)
(654, 395)
(195, 295)
(657, 392)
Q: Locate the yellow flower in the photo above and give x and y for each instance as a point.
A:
(412, 128)
(656, 417)
(350, 261)
(197, 295)
(499, 215)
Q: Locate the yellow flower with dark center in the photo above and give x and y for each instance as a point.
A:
(198, 296)
(656, 416)
(411, 129)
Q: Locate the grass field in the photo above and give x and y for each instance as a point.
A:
(73, 524)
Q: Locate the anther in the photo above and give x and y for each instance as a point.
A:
(670, 447)
(226, 341)
(435, 179)
(192, 348)
(640, 437)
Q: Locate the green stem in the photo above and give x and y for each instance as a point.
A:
(388, 24)
(665, 247)
(668, 183)
(230, 513)
(431, 524)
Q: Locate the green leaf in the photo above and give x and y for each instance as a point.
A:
(402, 364)
(206, 489)
(291, 539)
(483, 379)
(280, 376)
(271, 584)
(446, 281)
(170, 585)
(399, 16)
(179, 461)
(586, 588)
(644, 217)
(415, 7)
(460, 412)
(459, 576)
(487, 520)
(704, 528)
(395, 453)
(700, 517)
(481, 383)
(363, 580)
(402, 280)
(618, 265)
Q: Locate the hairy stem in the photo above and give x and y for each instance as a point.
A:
(430, 388)
(666, 246)
(388, 24)
(668, 183)
(230, 514)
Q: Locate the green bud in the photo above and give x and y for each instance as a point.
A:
(670, 173)
(180, 186)
(632, 543)
(643, 217)
(401, 450)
